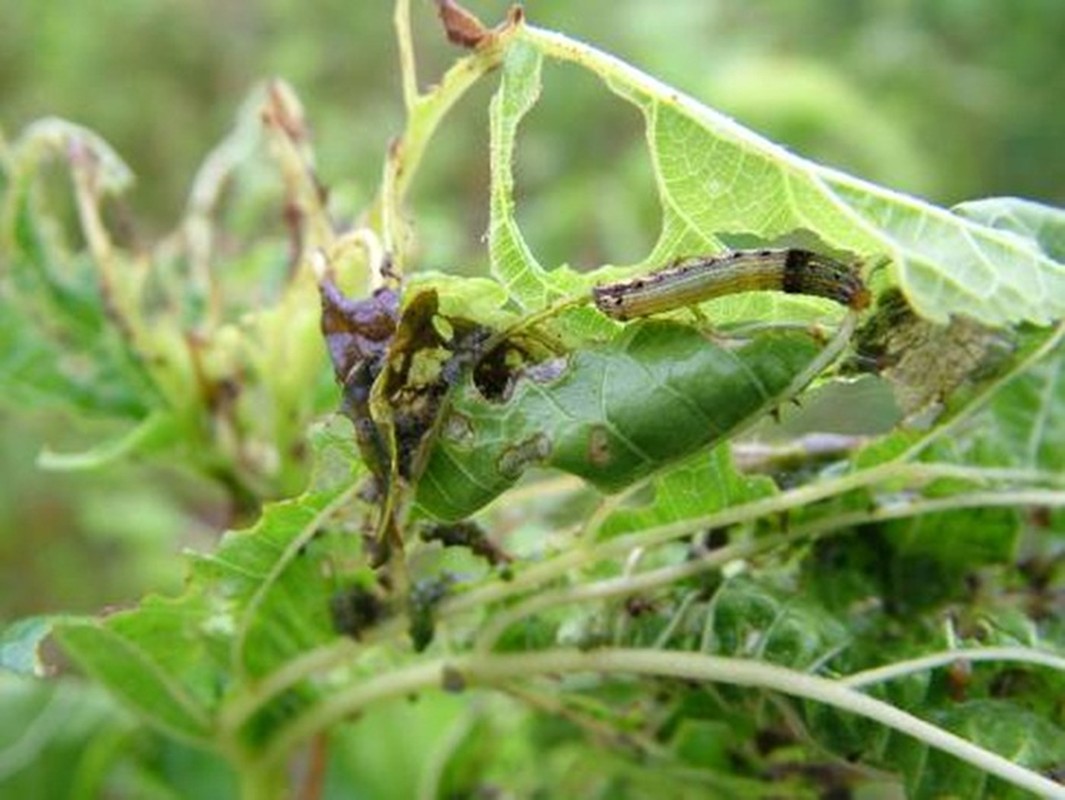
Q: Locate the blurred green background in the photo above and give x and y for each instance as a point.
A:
(949, 99)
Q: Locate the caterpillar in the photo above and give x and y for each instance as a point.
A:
(790, 270)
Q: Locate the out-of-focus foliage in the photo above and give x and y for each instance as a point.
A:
(70, 542)
(951, 99)
(928, 97)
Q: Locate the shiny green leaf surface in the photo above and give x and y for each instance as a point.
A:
(612, 415)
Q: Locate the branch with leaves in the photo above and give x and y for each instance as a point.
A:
(536, 502)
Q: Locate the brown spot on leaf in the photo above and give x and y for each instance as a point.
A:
(282, 110)
(515, 460)
(599, 447)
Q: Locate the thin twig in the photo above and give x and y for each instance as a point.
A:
(407, 64)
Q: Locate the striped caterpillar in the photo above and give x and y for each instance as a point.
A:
(790, 270)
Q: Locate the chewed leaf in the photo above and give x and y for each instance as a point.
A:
(480, 299)
(612, 415)
(527, 282)
(57, 346)
(272, 579)
(512, 260)
(716, 177)
(260, 599)
(721, 184)
(947, 265)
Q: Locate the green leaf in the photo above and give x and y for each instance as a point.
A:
(526, 282)
(478, 299)
(1027, 417)
(55, 350)
(57, 739)
(385, 754)
(155, 659)
(1024, 737)
(512, 260)
(716, 178)
(717, 183)
(707, 484)
(930, 555)
(750, 616)
(70, 739)
(1043, 225)
(268, 580)
(169, 660)
(260, 600)
(947, 265)
(614, 414)
(58, 346)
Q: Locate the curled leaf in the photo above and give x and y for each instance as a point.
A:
(612, 414)
(53, 136)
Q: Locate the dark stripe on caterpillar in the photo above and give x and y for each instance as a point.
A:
(795, 267)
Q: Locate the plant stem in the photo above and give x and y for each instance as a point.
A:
(336, 654)
(424, 114)
(407, 64)
(901, 669)
(665, 576)
(493, 670)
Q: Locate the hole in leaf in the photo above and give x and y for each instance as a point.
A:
(449, 197)
(585, 193)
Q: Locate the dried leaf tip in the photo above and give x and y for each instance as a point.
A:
(466, 30)
(461, 26)
(282, 109)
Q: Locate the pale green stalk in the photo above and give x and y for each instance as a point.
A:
(497, 670)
